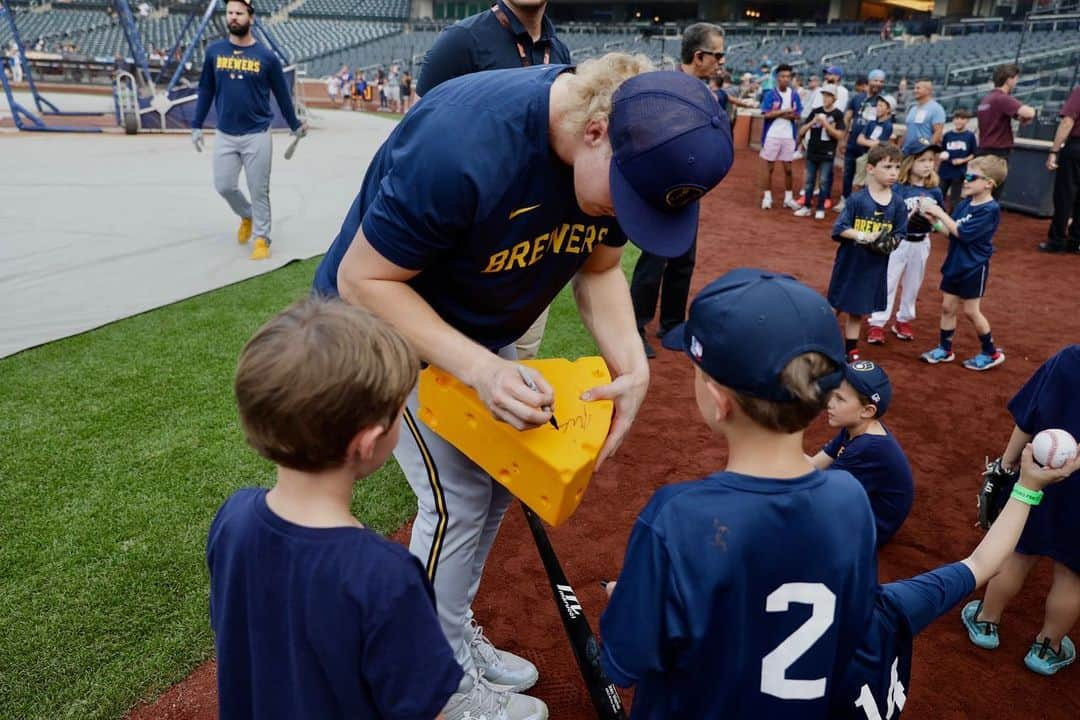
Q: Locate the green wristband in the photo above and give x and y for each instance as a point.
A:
(939, 226)
(1024, 495)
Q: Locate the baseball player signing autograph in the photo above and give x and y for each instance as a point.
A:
(493, 193)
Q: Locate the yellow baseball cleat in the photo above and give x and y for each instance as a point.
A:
(261, 251)
(244, 233)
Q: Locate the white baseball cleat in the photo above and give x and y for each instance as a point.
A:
(500, 667)
(478, 699)
(803, 212)
(766, 202)
(790, 204)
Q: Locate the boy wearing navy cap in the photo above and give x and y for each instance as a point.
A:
(740, 594)
(866, 449)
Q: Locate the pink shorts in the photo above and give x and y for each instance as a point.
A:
(782, 149)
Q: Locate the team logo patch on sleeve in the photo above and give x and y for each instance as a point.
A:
(681, 196)
(863, 365)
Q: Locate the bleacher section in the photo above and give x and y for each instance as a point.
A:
(396, 48)
(309, 39)
(56, 24)
(365, 9)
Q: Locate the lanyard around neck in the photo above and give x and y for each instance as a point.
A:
(526, 61)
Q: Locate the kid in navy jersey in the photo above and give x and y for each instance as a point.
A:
(876, 684)
(1047, 400)
(960, 144)
(740, 595)
(865, 448)
(315, 616)
(907, 264)
(859, 274)
(967, 264)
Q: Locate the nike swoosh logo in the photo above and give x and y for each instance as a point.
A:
(522, 211)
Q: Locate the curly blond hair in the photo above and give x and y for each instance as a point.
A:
(595, 81)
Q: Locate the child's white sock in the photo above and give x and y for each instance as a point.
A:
(768, 194)
(787, 196)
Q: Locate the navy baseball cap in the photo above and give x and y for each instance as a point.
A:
(834, 70)
(747, 325)
(671, 144)
(870, 380)
(923, 145)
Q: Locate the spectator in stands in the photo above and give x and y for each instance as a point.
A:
(747, 87)
(406, 91)
(393, 89)
(925, 120)
(806, 93)
(15, 63)
(996, 112)
(1065, 159)
(145, 9)
(960, 146)
(512, 34)
(333, 88)
(380, 86)
(765, 79)
(902, 92)
(657, 278)
(359, 90)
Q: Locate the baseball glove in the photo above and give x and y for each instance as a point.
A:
(883, 243)
(997, 484)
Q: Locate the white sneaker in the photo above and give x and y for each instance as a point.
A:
(766, 202)
(478, 699)
(790, 204)
(498, 666)
(838, 207)
(797, 155)
(819, 215)
(802, 212)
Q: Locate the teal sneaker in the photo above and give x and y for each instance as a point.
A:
(982, 361)
(938, 355)
(1042, 659)
(982, 633)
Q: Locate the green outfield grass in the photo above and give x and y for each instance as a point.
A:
(116, 448)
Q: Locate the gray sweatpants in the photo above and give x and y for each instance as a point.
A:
(459, 510)
(252, 153)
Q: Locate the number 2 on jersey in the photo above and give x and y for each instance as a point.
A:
(774, 680)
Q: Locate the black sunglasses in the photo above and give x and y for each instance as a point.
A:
(718, 55)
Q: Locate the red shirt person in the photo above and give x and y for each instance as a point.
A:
(1064, 158)
(997, 110)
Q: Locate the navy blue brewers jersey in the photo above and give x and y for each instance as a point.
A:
(876, 682)
(742, 596)
(859, 276)
(238, 81)
(467, 191)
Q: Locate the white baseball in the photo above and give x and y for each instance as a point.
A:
(1053, 448)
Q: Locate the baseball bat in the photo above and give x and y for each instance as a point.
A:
(604, 695)
(292, 148)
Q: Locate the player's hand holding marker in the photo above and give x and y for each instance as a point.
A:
(508, 396)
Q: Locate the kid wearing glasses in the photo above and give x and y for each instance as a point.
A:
(967, 265)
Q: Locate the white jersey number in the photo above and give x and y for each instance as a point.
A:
(894, 703)
(774, 665)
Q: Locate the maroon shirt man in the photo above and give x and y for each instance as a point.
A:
(1064, 157)
(996, 111)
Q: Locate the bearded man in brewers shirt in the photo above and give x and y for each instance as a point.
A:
(702, 56)
(238, 76)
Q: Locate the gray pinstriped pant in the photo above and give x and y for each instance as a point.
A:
(253, 153)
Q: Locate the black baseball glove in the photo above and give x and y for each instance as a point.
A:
(883, 243)
(996, 486)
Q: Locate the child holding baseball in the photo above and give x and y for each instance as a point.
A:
(871, 216)
(907, 264)
(1047, 400)
(315, 616)
(960, 144)
(877, 681)
(721, 573)
(967, 264)
(866, 449)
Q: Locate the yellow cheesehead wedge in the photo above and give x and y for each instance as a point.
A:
(545, 468)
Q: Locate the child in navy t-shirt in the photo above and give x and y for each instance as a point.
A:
(315, 616)
(866, 449)
(876, 683)
(960, 144)
(741, 595)
(967, 264)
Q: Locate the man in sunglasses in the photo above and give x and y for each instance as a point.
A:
(702, 56)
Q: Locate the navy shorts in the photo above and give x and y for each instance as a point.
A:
(969, 286)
